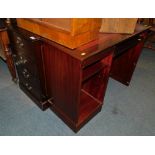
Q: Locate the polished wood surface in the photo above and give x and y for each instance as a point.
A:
(77, 79)
(4, 40)
(76, 98)
(123, 65)
(27, 53)
(103, 42)
(118, 25)
(62, 76)
(126, 57)
(59, 23)
(71, 32)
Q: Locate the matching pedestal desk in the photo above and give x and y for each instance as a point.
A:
(72, 82)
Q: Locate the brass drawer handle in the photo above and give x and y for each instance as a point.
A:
(23, 61)
(17, 41)
(139, 39)
(29, 88)
(21, 45)
(27, 76)
(14, 55)
(18, 63)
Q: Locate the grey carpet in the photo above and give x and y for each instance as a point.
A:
(126, 111)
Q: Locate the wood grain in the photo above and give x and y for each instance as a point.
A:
(118, 25)
(71, 32)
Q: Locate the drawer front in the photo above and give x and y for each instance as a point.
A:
(26, 73)
(21, 36)
(25, 43)
(31, 68)
(23, 63)
(34, 91)
(32, 85)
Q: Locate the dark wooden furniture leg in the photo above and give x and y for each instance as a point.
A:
(7, 52)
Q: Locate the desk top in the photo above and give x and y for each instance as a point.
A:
(103, 42)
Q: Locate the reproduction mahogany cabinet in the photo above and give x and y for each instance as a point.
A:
(26, 49)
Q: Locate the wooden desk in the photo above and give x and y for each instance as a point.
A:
(4, 41)
(73, 81)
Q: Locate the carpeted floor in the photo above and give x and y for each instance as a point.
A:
(126, 111)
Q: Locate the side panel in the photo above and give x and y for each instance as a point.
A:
(63, 80)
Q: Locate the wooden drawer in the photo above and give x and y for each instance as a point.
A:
(34, 91)
(23, 63)
(27, 73)
(24, 42)
(31, 68)
(32, 85)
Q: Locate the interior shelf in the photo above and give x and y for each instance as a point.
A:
(88, 105)
(92, 70)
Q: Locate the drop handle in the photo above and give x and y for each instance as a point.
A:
(27, 76)
(24, 61)
(29, 88)
(21, 45)
(18, 62)
(17, 41)
(14, 55)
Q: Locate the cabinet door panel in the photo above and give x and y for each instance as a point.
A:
(124, 65)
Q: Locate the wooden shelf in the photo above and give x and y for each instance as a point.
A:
(88, 106)
(92, 70)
